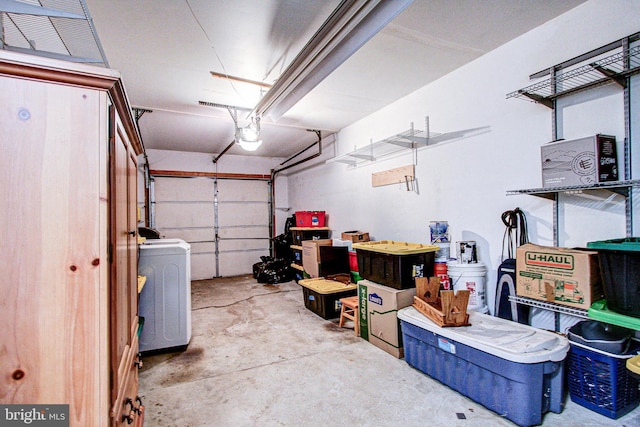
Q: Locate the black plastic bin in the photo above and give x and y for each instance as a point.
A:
(620, 268)
(395, 264)
(298, 234)
(322, 296)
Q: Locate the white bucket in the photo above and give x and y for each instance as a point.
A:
(471, 277)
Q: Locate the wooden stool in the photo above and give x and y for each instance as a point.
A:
(349, 310)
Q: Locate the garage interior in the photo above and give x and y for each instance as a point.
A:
(385, 116)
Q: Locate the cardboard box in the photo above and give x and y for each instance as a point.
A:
(334, 260)
(342, 242)
(560, 275)
(355, 236)
(378, 307)
(581, 161)
(311, 255)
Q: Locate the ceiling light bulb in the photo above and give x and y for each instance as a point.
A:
(248, 137)
(249, 134)
(250, 145)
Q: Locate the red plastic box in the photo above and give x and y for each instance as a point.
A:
(310, 218)
(353, 260)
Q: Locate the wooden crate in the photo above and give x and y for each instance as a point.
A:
(444, 307)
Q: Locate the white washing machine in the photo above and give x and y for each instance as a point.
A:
(165, 300)
(162, 241)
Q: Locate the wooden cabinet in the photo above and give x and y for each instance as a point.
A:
(68, 276)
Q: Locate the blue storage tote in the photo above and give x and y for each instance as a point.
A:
(600, 381)
(513, 369)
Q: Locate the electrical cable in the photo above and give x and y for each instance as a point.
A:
(224, 70)
(516, 233)
(245, 299)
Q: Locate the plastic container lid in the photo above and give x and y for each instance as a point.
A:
(599, 311)
(395, 248)
(633, 365)
(629, 244)
(503, 338)
(324, 286)
(309, 228)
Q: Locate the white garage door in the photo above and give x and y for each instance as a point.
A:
(188, 208)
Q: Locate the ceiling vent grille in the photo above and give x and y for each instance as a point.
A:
(60, 29)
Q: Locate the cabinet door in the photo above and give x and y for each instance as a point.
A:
(53, 272)
(127, 408)
(124, 283)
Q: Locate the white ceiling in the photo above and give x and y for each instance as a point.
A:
(166, 49)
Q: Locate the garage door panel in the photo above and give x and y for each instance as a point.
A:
(235, 263)
(184, 208)
(183, 189)
(242, 213)
(243, 190)
(248, 232)
(181, 215)
(243, 245)
(203, 266)
(189, 234)
(202, 247)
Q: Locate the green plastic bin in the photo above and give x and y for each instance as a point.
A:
(600, 311)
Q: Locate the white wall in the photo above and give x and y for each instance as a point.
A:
(465, 181)
(229, 163)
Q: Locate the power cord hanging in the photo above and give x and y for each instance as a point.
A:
(516, 233)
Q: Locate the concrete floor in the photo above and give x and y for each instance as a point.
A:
(258, 357)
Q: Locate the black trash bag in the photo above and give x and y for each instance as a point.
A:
(284, 239)
(289, 222)
(275, 271)
(258, 266)
(282, 243)
(282, 247)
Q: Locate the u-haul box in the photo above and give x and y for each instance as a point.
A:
(560, 275)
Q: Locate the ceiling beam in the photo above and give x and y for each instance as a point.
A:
(350, 26)
(240, 79)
